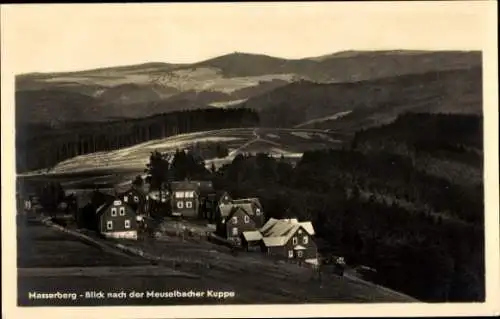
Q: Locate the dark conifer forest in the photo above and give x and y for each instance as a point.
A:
(374, 204)
(422, 233)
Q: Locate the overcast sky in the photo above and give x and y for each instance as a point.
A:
(42, 38)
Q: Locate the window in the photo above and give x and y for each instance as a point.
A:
(179, 194)
(127, 223)
(109, 225)
(189, 204)
(187, 194)
(305, 240)
(257, 211)
(235, 231)
(235, 220)
(125, 199)
(294, 240)
(300, 231)
(300, 253)
(136, 199)
(122, 211)
(290, 254)
(113, 211)
(180, 205)
(247, 219)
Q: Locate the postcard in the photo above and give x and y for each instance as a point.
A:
(227, 160)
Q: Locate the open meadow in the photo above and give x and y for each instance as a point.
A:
(51, 261)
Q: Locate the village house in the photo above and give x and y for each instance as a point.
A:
(136, 198)
(87, 205)
(159, 203)
(258, 215)
(207, 198)
(286, 238)
(184, 199)
(236, 219)
(116, 219)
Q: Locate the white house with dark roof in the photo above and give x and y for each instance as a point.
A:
(287, 238)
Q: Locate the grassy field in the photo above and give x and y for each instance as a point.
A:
(121, 165)
(50, 261)
(39, 246)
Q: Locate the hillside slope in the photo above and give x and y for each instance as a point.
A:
(370, 102)
(344, 66)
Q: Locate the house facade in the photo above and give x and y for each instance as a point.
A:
(207, 196)
(184, 199)
(289, 239)
(257, 210)
(116, 219)
(238, 220)
(137, 199)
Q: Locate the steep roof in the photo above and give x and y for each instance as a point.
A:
(252, 200)
(184, 185)
(99, 197)
(102, 208)
(224, 194)
(133, 189)
(253, 235)
(276, 232)
(228, 209)
(245, 208)
(225, 209)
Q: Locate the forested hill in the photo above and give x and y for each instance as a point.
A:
(376, 205)
(444, 145)
(39, 146)
(370, 102)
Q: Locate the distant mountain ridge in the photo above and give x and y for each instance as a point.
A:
(156, 87)
(370, 102)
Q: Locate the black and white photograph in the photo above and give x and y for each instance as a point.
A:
(220, 155)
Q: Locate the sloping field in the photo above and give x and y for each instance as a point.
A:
(39, 246)
(287, 142)
(185, 265)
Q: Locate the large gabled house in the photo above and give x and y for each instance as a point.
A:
(117, 219)
(236, 219)
(136, 198)
(286, 238)
(258, 212)
(184, 199)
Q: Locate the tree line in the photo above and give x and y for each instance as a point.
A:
(38, 147)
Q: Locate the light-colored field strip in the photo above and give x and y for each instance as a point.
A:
(134, 158)
(108, 271)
